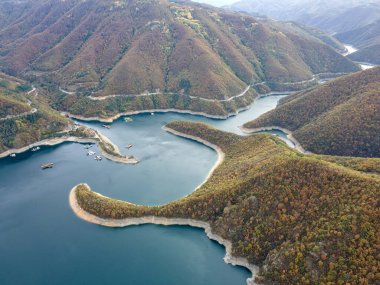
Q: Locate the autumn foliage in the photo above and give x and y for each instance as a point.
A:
(338, 118)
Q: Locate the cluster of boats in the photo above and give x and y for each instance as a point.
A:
(92, 153)
(33, 149)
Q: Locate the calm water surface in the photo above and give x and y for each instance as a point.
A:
(42, 242)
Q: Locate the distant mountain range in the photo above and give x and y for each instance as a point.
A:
(334, 16)
(132, 47)
(354, 22)
(367, 39)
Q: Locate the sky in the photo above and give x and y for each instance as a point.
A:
(217, 3)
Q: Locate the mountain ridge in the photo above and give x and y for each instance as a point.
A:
(130, 47)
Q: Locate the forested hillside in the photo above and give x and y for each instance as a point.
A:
(339, 118)
(12, 100)
(25, 117)
(306, 219)
(131, 47)
(370, 54)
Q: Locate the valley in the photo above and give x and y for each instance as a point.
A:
(174, 142)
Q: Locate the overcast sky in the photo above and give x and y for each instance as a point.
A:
(216, 2)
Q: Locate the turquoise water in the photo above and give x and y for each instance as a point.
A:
(43, 242)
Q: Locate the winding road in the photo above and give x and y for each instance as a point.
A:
(32, 111)
(161, 93)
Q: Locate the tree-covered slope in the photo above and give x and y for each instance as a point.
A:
(129, 47)
(306, 219)
(369, 54)
(25, 116)
(340, 118)
(12, 100)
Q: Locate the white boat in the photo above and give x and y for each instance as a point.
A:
(90, 153)
(13, 155)
(128, 119)
(36, 149)
(152, 114)
(98, 158)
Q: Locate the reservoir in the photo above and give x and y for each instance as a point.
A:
(43, 242)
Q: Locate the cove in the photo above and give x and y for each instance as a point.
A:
(43, 242)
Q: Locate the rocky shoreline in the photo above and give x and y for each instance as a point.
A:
(118, 223)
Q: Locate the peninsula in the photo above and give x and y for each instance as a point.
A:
(314, 217)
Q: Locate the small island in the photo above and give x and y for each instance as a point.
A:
(314, 217)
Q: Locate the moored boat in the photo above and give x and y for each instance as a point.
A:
(47, 165)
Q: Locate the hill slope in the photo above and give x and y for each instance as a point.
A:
(130, 47)
(362, 37)
(25, 118)
(369, 54)
(367, 39)
(307, 220)
(12, 101)
(341, 117)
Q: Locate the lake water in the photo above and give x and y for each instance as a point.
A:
(43, 242)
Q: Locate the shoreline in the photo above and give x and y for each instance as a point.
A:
(114, 223)
(170, 110)
(73, 139)
(289, 135)
(178, 111)
(217, 149)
